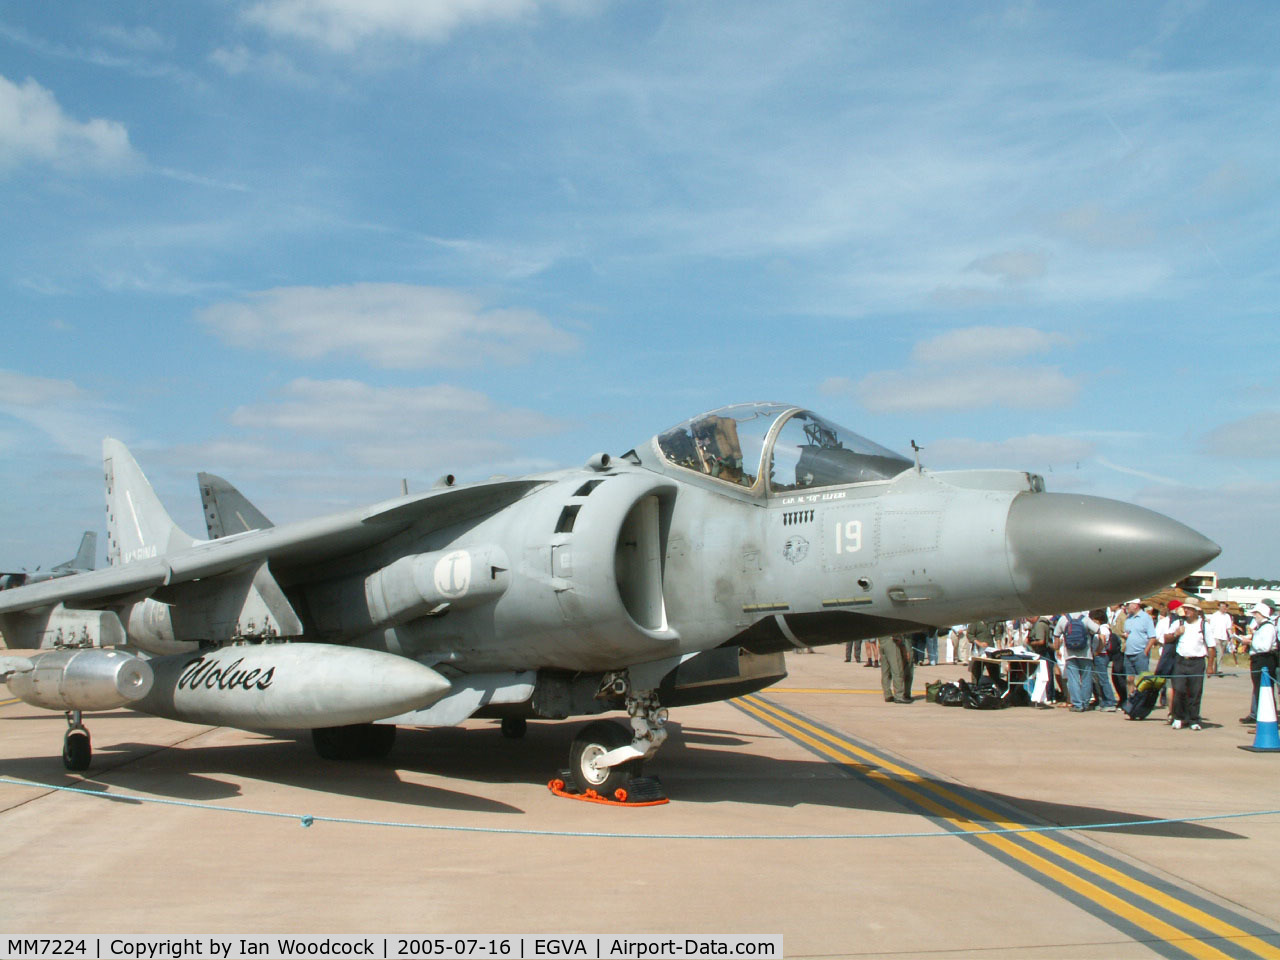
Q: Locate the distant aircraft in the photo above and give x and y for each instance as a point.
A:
(83, 561)
(675, 574)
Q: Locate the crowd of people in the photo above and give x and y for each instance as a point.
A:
(1098, 659)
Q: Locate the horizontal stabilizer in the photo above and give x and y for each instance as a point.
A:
(226, 510)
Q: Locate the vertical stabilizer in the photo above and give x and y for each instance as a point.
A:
(138, 526)
(86, 556)
(226, 509)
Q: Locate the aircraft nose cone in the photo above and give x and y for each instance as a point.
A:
(1069, 552)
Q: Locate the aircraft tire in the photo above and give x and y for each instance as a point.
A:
(514, 728)
(379, 738)
(358, 741)
(77, 750)
(595, 740)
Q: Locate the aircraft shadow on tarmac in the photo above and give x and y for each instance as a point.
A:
(696, 765)
(179, 774)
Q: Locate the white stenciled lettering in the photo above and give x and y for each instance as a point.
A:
(848, 536)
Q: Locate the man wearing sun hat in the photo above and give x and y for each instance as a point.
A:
(1263, 655)
(1188, 667)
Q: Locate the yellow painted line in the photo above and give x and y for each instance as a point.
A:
(1151, 894)
(5, 703)
(820, 690)
(823, 742)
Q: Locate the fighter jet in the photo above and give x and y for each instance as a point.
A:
(83, 560)
(677, 573)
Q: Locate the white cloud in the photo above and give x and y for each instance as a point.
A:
(390, 325)
(966, 388)
(1254, 437)
(985, 345)
(144, 39)
(1034, 451)
(34, 129)
(1221, 513)
(19, 390)
(1013, 266)
(342, 25)
(1140, 474)
(430, 427)
(59, 409)
(967, 369)
(239, 60)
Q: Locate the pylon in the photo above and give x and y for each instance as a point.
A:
(1267, 739)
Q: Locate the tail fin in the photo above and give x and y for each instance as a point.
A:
(138, 526)
(85, 557)
(226, 509)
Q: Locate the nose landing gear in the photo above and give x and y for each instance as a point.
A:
(606, 760)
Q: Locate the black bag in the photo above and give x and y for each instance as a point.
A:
(951, 695)
(1141, 703)
(1147, 686)
(982, 697)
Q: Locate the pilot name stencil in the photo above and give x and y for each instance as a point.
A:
(815, 498)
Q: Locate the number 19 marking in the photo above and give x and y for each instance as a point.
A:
(849, 536)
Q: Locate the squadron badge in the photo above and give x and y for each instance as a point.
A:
(795, 549)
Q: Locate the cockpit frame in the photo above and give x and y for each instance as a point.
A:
(712, 445)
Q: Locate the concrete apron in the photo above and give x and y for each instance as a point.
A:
(820, 753)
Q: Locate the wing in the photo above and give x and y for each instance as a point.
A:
(290, 547)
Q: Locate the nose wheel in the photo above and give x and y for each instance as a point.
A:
(606, 756)
(592, 743)
(77, 749)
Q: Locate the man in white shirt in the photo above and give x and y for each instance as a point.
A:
(1261, 641)
(1218, 624)
(1188, 667)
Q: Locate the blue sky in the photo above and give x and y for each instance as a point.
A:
(320, 245)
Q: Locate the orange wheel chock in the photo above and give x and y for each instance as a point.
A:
(558, 787)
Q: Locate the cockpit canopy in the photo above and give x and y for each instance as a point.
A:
(776, 448)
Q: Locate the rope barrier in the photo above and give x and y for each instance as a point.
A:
(307, 820)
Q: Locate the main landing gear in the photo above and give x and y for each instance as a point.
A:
(359, 741)
(605, 757)
(77, 750)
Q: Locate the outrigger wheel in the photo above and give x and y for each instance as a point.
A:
(513, 728)
(593, 742)
(77, 751)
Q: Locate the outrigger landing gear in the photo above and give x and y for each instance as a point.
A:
(77, 749)
(514, 728)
